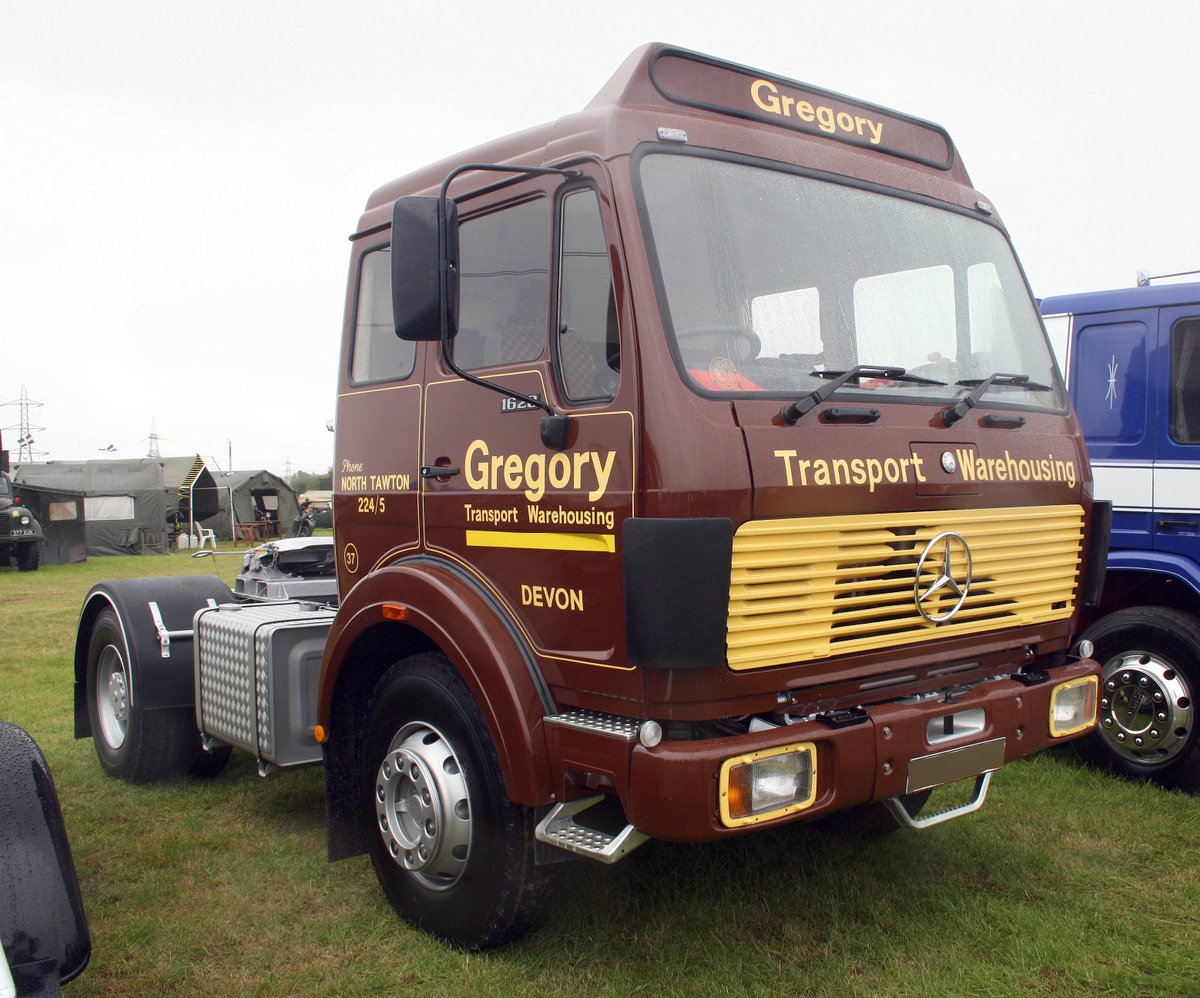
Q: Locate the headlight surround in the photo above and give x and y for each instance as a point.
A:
(1073, 706)
(769, 784)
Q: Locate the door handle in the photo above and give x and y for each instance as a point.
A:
(438, 471)
(1193, 525)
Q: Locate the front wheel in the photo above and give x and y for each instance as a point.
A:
(1150, 669)
(454, 856)
(29, 556)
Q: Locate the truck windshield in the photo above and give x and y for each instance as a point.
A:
(768, 277)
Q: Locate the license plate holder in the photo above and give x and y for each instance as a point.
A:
(955, 764)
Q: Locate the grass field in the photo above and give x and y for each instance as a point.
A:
(1068, 881)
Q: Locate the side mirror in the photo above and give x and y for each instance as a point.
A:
(42, 924)
(424, 267)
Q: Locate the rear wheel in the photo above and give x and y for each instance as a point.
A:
(132, 744)
(454, 856)
(29, 556)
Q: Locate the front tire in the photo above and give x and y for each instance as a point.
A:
(29, 556)
(454, 856)
(1150, 671)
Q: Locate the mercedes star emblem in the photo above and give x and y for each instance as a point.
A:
(941, 553)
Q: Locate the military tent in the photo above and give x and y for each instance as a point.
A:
(130, 506)
(260, 498)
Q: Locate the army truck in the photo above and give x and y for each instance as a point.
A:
(21, 535)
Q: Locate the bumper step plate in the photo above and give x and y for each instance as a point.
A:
(560, 829)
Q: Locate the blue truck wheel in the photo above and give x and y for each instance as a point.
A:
(1147, 729)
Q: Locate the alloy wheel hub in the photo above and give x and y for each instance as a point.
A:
(112, 697)
(423, 806)
(1146, 711)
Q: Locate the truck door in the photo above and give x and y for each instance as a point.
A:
(538, 315)
(1113, 372)
(1177, 458)
(378, 423)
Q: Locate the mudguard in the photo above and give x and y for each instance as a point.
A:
(42, 922)
(1159, 562)
(157, 681)
(456, 614)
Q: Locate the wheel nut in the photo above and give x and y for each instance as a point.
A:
(1120, 736)
(1126, 677)
(1143, 681)
(1108, 722)
(1138, 741)
(1154, 732)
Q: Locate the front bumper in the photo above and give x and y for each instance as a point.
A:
(672, 791)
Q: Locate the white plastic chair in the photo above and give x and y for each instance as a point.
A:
(205, 535)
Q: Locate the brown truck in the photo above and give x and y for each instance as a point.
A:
(701, 466)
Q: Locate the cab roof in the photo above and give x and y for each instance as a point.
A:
(663, 86)
(1117, 299)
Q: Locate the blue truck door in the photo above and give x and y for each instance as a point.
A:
(1112, 386)
(1177, 457)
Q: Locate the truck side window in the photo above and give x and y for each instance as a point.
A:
(1185, 381)
(589, 343)
(504, 286)
(379, 354)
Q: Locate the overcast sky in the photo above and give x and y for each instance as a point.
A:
(177, 180)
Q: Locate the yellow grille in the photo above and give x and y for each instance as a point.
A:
(805, 589)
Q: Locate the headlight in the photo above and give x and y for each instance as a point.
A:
(768, 784)
(1073, 706)
(24, 521)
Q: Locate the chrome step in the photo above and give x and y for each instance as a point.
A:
(625, 728)
(919, 821)
(560, 829)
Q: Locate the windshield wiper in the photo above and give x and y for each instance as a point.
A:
(792, 412)
(952, 414)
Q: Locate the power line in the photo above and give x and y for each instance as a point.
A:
(153, 451)
(25, 428)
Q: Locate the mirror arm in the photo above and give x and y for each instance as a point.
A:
(555, 427)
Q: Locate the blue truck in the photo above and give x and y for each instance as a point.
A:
(1131, 358)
